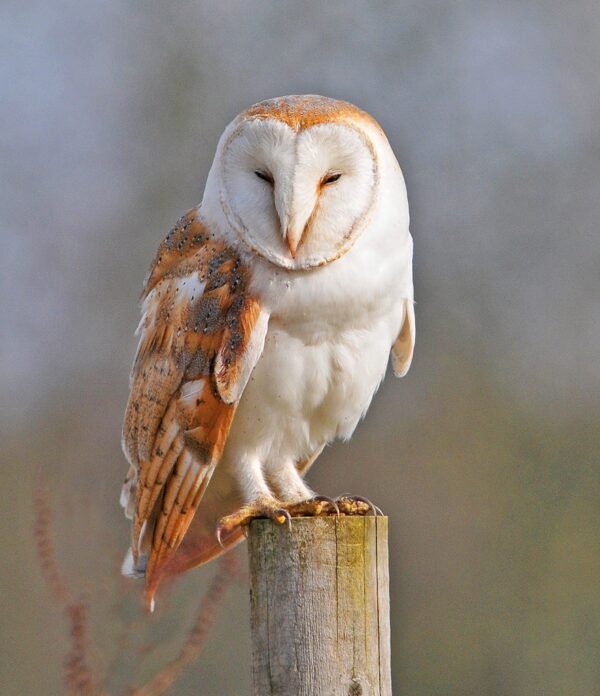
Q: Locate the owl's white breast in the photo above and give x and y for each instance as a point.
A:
(325, 354)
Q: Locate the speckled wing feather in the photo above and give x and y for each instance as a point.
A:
(200, 336)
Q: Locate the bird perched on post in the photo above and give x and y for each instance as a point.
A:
(268, 317)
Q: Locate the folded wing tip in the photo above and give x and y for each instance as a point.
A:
(131, 568)
(127, 497)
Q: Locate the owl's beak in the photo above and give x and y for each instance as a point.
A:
(295, 233)
(293, 241)
(292, 234)
(295, 211)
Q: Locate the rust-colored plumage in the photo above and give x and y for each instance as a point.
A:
(305, 110)
(197, 325)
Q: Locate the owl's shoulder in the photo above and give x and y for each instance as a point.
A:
(192, 245)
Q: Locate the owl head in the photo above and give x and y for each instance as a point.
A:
(298, 177)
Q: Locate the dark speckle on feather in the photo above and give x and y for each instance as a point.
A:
(206, 315)
(218, 260)
(201, 450)
(200, 365)
(215, 280)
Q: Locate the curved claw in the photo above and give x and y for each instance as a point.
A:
(329, 501)
(219, 531)
(361, 499)
(366, 501)
(278, 513)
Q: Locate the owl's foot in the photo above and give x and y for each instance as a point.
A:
(357, 505)
(262, 508)
(313, 507)
(321, 505)
(282, 513)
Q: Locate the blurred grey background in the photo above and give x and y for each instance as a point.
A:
(484, 456)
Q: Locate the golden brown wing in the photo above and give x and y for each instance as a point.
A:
(201, 335)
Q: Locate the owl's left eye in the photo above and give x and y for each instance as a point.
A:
(265, 176)
(331, 178)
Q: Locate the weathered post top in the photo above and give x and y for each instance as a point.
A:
(320, 607)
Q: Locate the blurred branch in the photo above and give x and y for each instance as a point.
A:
(79, 677)
(45, 545)
(228, 571)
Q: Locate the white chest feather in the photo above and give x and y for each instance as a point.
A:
(325, 354)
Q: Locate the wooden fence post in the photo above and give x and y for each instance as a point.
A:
(320, 607)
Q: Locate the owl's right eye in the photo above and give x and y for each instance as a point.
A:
(265, 176)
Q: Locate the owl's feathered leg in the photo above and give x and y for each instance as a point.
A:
(259, 500)
(297, 498)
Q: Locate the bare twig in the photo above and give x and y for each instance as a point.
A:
(160, 684)
(45, 545)
(79, 677)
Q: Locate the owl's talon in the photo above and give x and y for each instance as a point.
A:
(366, 501)
(260, 509)
(317, 506)
(282, 513)
(328, 501)
(357, 505)
(282, 516)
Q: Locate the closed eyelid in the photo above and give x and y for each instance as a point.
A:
(265, 176)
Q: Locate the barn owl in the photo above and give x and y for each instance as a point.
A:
(268, 319)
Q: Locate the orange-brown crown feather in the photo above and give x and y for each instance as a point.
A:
(300, 111)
